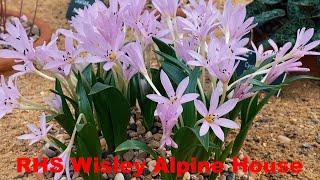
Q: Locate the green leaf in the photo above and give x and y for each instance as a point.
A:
(175, 61)
(194, 143)
(271, 2)
(135, 145)
(288, 32)
(87, 73)
(174, 72)
(113, 113)
(295, 78)
(163, 47)
(255, 8)
(84, 103)
(267, 16)
(189, 113)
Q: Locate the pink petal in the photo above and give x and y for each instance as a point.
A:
(204, 128)
(217, 131)
(201, 108)
(167, 84)
(27, 136)
(182, 87)
(158, 99)
(214, 99)
(107, 66)
(226, 107)
(188, 97)
(226, 123)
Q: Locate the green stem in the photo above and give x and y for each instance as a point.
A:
(181, 121)
(151, 84)
(115, 76)
(39, 73)
(203, 97)
(199, 122)
(224, 93)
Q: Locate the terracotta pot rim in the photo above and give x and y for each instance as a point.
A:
(45, 36)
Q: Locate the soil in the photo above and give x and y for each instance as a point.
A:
(295, 115)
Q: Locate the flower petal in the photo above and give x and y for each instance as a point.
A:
(182, 87)
(226, 123)
(157, 98)
(188, 97)
(166, 83)
(201, 108)
(204, 128)
(226, 107)
(217, 131)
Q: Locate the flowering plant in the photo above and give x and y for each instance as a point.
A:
(176, 68)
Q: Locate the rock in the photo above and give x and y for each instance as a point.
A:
(133, 134)
(148, 134)
(142, 155)
(222, 177)
(141, 130)
(154, 144)
(132, 121)
(133, 127)
(154, 130)
(50, 153)
(241, 156)
(200, 177)
(186, 176)
(134, 178)
(128, 156)
(240, 173)
(139, 123)
(152, 163)
(35, 30)
(119, 176)
(284, 139)
(145, 172)
(111, 175)
(231, 176)
(75, 176)
(318, 139)
(66, 136)
(127, 176)
(80, 178)
(226, 167)
(105, 176)
(149, 177)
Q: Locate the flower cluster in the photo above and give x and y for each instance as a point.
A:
(118, 40)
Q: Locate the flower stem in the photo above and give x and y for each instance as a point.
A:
(224, 93)
(151, 84)
(199, 122)
(181, 121)
(42, 108)
(39, 73)
(203, 97)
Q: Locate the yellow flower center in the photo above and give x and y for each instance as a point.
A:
(113, 56)
(173, 100)
(70, 60)
(209, 118)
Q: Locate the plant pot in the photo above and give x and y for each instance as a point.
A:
(45, 35)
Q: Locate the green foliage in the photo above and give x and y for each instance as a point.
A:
(281, 19)
(267, 16)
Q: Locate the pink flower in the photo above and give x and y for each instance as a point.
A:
(128, 71)
(9, 96)
(37, 134)
(233, 23)
(174, 96)
(225, 69)
(167, 8)
(302, 48)
(262, 55)
(184, 46)
(168, 115)
(242, 90)
(292, 65)
(18, 39)
(135, 57)
(212, 118)
(55, 102)
(64, 60)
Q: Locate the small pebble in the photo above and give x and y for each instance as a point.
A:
(141, 130)
(148, 134)
(119, 176)
(80, 178)
(240, 173)
(111, 175)
(241, 156)
(133, 134)
(222, 177)
(186, 176)
(154, 144)
(284, 139)
(105, 176)
(50, 153)
(230, 176)
(142, 155)
(63, 178)
(128, 156)
(75, 176)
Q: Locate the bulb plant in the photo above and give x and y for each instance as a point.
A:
(107, 67)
